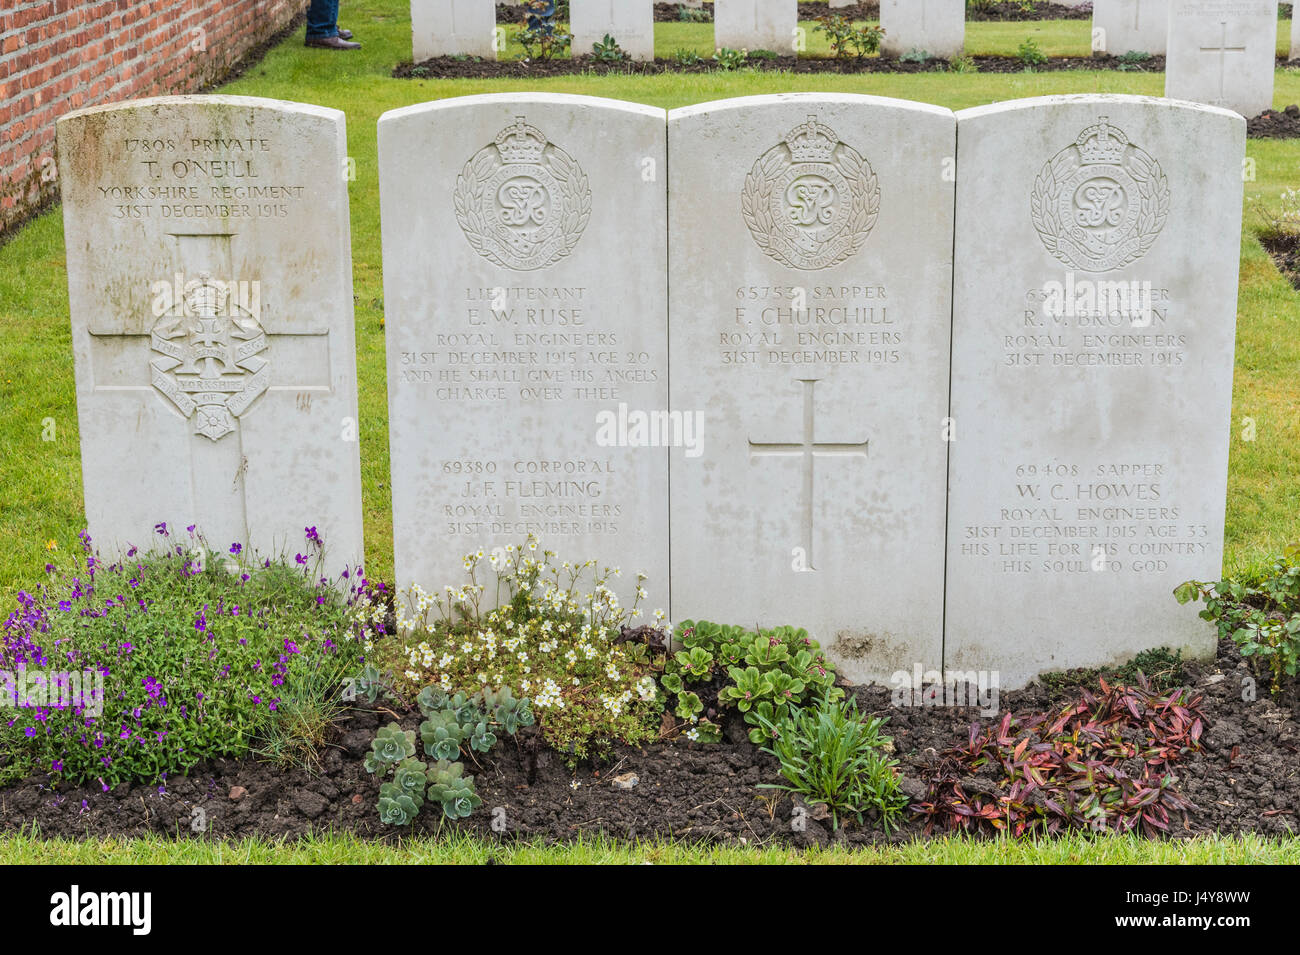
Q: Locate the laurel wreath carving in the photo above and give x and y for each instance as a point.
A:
(1153, 190)
(575, 205)
(756, 204)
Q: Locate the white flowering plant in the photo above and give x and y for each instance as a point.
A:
(551, 631)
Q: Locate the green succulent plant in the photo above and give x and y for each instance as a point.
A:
(409, 777)
(391, 745)
(431, 700)
(452, 789)
(442, 735)
(397, 807)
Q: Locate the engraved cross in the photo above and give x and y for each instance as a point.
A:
(1223, 50)
(809, 449)
(179, 367)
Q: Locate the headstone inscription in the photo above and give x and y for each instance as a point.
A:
(525, 281)
(209, 281)
(1091, 380)
(810, 254)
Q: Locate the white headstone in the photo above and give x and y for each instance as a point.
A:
(843, 3)
(755, 25)
(1295, 34)
(937, 27)
(525, 282)
(1091, 380)
(630, 22)
(1222, 52)
(210, 288)
(453, 28)
(1128, 26)
(811, 242)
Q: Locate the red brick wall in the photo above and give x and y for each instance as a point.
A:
(60, 55)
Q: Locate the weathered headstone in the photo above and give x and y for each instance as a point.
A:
(755, 25)
(525, 292)
(630, 22)
(810, 249)
(1130, 26)
(1222, 52)
(210, 288)
(453, 28)
(937, 27)
(1091, 379)
(1295, 35)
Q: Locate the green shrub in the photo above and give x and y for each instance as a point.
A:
(848, 39)
(831, 755)
(1029, 54)
(1260, 613)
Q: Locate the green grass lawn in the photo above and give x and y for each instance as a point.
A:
(39, 460)
(332, 849)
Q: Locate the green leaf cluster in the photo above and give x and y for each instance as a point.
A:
(766, 672)
(1259, 612)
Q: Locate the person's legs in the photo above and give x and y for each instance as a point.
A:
(322, 19)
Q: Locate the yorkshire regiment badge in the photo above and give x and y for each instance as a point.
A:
(522, 201)
(811, 201)
(1101, 202)
(210, 365)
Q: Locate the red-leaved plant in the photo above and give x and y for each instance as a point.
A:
(1102, 763)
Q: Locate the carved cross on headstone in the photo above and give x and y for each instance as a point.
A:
(809, 450)
(1223, 50)
(209, 358)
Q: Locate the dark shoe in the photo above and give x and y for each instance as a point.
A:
(345, 34)
(332, 43)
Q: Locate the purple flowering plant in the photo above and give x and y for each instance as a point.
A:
(192, 658)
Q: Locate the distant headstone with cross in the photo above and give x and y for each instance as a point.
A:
(1091, 345)
(810, 252)
(936, 27)
(1130, 26)
(209, 280)
(525, 289)
(629, 22)
(756, 25)
(1222, 52)
(453, 28)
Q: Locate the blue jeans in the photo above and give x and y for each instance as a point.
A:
(322, 19)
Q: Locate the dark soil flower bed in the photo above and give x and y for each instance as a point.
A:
(1275, 124)
(1243, 780)
(1285, 250)
(448, 67)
